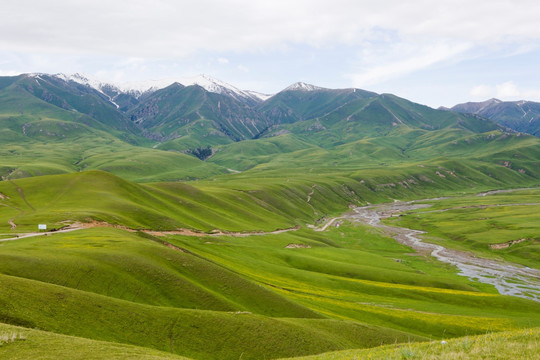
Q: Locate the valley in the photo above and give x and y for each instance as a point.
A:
(508, 279)
(201, 221)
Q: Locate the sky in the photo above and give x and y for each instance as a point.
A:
(437, 53)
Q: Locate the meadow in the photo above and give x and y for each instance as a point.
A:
(522, 344)
(226, 296)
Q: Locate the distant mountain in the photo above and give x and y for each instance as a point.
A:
(302, 101)
(60, 123)
(90, 105)
(140, 88)
(196, 113)
(184, 117)
(521, 116)
(330, 117)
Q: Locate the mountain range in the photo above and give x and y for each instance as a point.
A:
(96, 125)
(202, 111)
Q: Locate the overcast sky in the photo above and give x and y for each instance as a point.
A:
(432, 52)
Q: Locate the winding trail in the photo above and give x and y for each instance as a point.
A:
(21, 193)
(507, 278)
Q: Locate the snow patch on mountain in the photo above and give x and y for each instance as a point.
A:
(217, 86)
(260, 96)
(93, 83)
(83, 80)
(138, 88)
(303, 87)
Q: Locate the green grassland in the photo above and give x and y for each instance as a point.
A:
(22, 343)
(518, 344)
(352, 274)
(245, 317)
(260, 199)
(480, 223)
(221, 297)
(33, 147)
(226, 296)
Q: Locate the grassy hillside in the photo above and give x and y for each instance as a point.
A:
(215, 297)
(48, 96)
(19, 343)
(52, 127)
(518, 344)
(33, 146)
(193, 333)
(350, 273)
(207, 296)
(290, 106)
(140, 269)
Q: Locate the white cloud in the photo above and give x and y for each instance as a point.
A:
(223, 60)
(403, 59)
(481, 92)
(163, 28)
(243, 68)
(506, 91)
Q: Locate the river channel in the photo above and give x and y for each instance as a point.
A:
(507, 278)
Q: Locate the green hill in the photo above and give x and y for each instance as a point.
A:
(23, 343)
(519, 344)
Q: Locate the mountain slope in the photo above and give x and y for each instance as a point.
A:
(192, 117)
(333, 117)
(76, 98)
(302, 101)
(522, 116)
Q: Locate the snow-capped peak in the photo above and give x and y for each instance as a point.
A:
(213, 85)
(83, 80)
(138, 88)
(208, 83)
(302, 86)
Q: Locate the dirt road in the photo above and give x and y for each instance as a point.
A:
(187, 232)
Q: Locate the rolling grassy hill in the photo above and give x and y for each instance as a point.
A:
(340, 289)
(23, 343)
(221, 259)
(522, 344)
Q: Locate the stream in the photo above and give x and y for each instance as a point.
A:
(507, 278)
